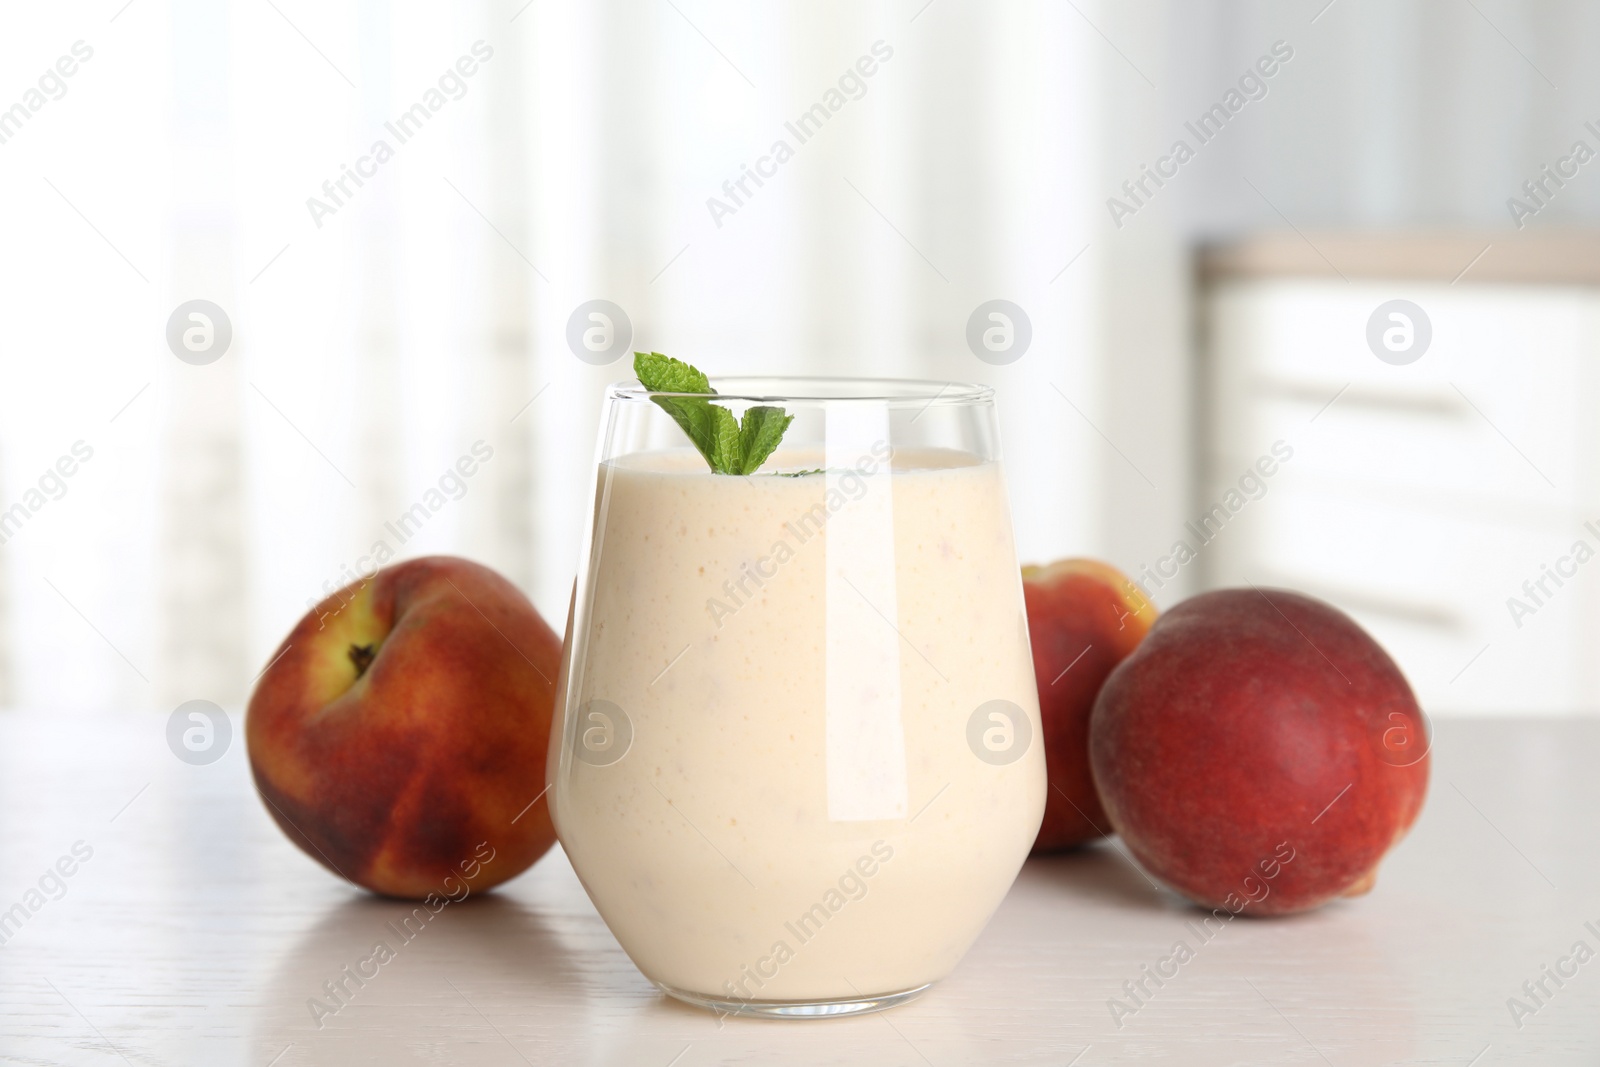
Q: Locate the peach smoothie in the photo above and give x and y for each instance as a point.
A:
(798, 732)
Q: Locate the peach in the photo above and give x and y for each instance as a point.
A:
(1084, 617)
(399, 734)
(1259, 751)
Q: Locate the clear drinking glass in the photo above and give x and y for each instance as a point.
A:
(796, 762)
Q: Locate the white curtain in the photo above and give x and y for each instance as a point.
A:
(383, 333)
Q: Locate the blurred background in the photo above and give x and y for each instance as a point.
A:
(399, 218)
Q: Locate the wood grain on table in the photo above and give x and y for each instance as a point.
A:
(195, 934)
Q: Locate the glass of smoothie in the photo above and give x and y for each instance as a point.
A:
(796, 762)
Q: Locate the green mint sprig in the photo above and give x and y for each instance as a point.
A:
(729, 446)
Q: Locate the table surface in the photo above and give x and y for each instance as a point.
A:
(196, 934)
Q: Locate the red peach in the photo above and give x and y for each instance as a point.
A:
(1084, 617)
(1253, 725)
(399, 734)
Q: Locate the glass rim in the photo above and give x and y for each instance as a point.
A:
(820, 390)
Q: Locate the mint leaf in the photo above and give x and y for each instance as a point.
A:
(695, 418)
(663, 374)
(728, 446)
(727, 456)
(762, 430)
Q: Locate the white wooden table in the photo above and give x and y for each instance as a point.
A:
(196, 934)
